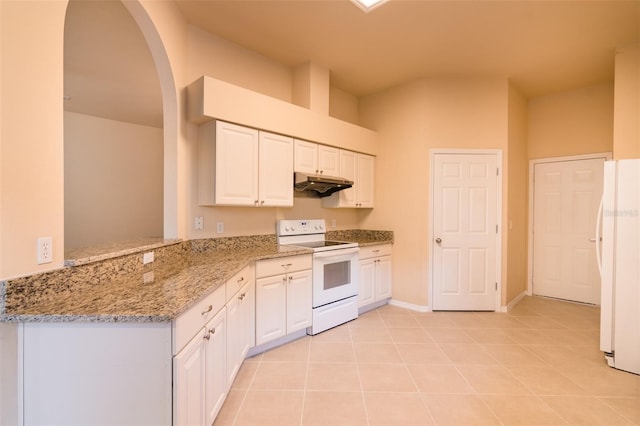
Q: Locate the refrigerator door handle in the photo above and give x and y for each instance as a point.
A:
(598, 238)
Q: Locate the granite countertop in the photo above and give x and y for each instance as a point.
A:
(158, 292)
(123, 289)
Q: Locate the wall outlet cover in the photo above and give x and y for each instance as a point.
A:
(45, 250)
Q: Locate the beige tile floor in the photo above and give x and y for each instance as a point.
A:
(537, 365)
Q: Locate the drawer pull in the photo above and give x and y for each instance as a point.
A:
(286, 265)
(208, 310)
(240, 280)
(376, 251)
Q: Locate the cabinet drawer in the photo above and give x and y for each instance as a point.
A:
(375, 251)
(238, 281)
(189, 323)
(282, 265)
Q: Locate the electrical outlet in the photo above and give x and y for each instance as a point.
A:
(45, 250)
(220, 227)
(198, 223)
(147, 257)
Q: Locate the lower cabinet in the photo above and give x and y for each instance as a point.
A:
(204, 369)
(240, 329)
(283, 297)
(375, 274)
(200, 376)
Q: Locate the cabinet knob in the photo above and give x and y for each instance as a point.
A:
(262, 202)
(438, 240)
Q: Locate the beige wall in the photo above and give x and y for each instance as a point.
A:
(411, 120)
(571, 123)
(343, 105)
(216, 57)
(31, 142)
(626, 131)
(517, 225)
(113, 181)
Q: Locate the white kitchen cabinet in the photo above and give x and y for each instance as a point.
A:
(271, 308)
(241, 166)
(375, 274)
(200, 376)
(360, 169)
(275, 177)
(222, 326)
(240, 328)
(316, 159)
(189, 375)
(283, 296)
(299, 303)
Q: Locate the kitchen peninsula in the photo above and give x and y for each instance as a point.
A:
(101, 339)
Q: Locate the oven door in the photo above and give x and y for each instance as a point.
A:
(335, 275)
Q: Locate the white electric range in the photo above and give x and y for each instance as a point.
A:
(335, 271)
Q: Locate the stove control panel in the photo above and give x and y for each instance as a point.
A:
(300, 227)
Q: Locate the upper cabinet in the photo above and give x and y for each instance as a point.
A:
(275, 176)
(240, 166)
(315, 159)
(360, 169)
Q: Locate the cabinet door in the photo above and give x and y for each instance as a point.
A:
(305, 157)
(328, 160)
(248, 314)
(240, 329)
(215, 371)
(234, 336)
(275, 184)
(189, 383)
(364, 182)
(271, 314)
(299, 294)
(383, 278)
(348, 167)
(366, 290)
(236, 162)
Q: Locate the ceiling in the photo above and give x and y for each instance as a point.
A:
(542, 46)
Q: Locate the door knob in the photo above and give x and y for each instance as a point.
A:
(438, 240)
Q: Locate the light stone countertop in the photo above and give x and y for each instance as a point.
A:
(122, 289)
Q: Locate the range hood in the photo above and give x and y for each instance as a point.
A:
(319, 185)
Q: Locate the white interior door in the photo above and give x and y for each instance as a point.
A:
(465, 220)
(566, 196)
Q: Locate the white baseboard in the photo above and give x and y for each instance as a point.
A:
(515, 301)
(411, 306)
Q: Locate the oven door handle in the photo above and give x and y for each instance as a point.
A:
(337, 254)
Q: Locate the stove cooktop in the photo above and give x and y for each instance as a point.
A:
(320, 244)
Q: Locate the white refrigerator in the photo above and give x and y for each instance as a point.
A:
(619, 261)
